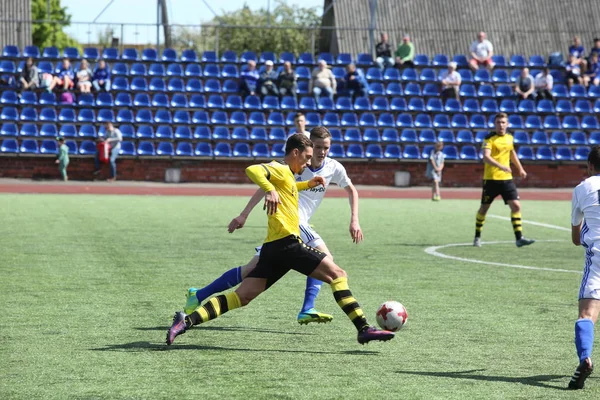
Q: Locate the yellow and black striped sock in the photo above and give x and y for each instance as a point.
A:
(515, 219)
(348, 303)
(214, 307)
(479, 221)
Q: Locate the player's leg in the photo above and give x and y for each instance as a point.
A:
(511, 197)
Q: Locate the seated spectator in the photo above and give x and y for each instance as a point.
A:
(383, 53)
(524, 87)
(249, 79)
(287, 80)
(543, 85)
(65, 76)
(577, 51)
(451, 81)
(268, 80)
(405, 53)
(573, 69)
(101, 80)
(356, 83)
(592, 74)
(84, 77)
(322, 82)
(30, 79)
(481, 53)
(595, 49)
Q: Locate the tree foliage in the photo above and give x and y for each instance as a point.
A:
(47, 34)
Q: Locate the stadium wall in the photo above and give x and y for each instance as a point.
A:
(456, 173)
(16, 33)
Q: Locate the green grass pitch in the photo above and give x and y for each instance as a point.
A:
(88, 286)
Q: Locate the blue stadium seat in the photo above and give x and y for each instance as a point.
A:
(276, 118)
(539, 137)
(215, 102)
(149, 55)
(480, 136)
(121, 100)
(468, 153)
(594, 91)
(564, 106)
(200, 118)
(489, 106)
(260, 150)
(386, 120)
(486, 91)
(29, 146)
(87, 148)
(72, 145)
(179, 100)
(527, 106)
(48, 146)
(465, 136)
(199, 101)
(31, 51)
(391, 75)
(27, 114)
(228, 57)
(325, 104)
(581, 153)
(392, 151)
(551, 122)
(9, 97)
(590, 122)
(157, 70)
(578, 92)
(130, 54)
(240, 133)
(371, 135)
(453, 106)
(120, 83)
(258, 118)
(211, 71)
(499, 61)
(141, 100)
(169, 55)
(247, 56)
(466, 75)
(407, 136)
(288, 103)
(11, 129)
(10, 51)
(409, 75)
(174, 70)
(425, 136)
(49, 130)
(138, 69)
(238, 118)
(48, 99)
(559, 91)
(160, 100)
(87, 131)
(517, 61)
(337, 151)
(125, 117)
(28, 98)
(212, 86)
(46, 67)
(352, 135)
(394, 89)
(276, 134)
(559, 138)
(364, 60)
(193, 71)
(427, 75)
(146, 148)
(302, 88)
(184, 149)
(515, 122)
(421, 60)
(9, 146)
(467, 90)
(416, 104)
(287, 56)
(182, 132)
(355, 151)
(503, 91)
(367, 120)
(222, 150)
(459, 121)
(478, 121)
(451, 152)
(440, 60)
(189, 56)
(119, 69)
(202, 133)
(434, 105)
(376, 89)
(482, 76)
(594, 138)
(194, 85)
(446, 136)
(461, 60)
(11, 113)
(139, 84)
(104, 99)
(164, 132)
(578, 138)
(525, 153)
(441, 121)
(583, 106)
(544, 154)
(127, 131)
(157, 85)
(533, 122)
(50, 53)
(536, 61)
(431, 90)
(203, 149)
(252, 103)
(390, 135)
(221, 133)
(181, 117)
(306, 59)
(423, 121)
(349, 119)
(570, 122)
(372, 151)
(331, 119)
(471, 106)
(144, 116)
(398, 104)
(404, 121)
(105, 115)
(278, 150)
(374, 74)
(219, 118)
(307, 104)
(411, 152)
(412, 89)
(163, 117)
(545, 106)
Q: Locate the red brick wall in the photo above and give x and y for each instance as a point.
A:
(456, 174)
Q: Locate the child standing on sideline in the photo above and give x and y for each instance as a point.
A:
(435, 165)
(63, 158)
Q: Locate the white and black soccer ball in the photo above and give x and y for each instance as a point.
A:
(391, 316)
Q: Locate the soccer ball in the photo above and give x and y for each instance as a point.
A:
(391, 316)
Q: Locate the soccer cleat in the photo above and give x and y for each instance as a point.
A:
(191, 302)
(584, 370)
(477, 242)
(177, 328)
(372, 333)
(312, 315)
(524, 242)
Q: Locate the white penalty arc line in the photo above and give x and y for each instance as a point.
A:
(560, 228)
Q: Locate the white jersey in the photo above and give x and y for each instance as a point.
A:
(309, 200)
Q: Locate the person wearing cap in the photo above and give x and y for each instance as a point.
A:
(63, 158)
(405, 53)
(268, 80)
(451, 81)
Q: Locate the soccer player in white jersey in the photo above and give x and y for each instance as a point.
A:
(585, 231)
(308, 202)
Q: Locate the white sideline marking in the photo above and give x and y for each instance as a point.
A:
(560, 228)
(433, 250)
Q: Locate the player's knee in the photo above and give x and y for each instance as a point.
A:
(337, 272)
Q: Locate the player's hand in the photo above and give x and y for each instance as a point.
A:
(57, 161)
(522, 173)
(505, 169)
(356, 232)
(271, 202)
(236, 223)
(316, 181)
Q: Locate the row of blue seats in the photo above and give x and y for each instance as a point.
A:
(261, 150)
(229, 56)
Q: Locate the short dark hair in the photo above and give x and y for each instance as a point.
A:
(500, 115)
(297, 141)
(60, 139)
(594, 158)
(320, 132)
(298, 115)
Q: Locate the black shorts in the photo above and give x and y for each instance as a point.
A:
(279, 257)
(492, 189)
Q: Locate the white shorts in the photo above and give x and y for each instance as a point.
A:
(590, 283)
(308, 236)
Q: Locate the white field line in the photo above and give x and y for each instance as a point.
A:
(560, 228)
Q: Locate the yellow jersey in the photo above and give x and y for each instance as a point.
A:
(501, 146)
(279, 177)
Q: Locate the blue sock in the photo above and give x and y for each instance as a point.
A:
(229, 279)
(584, 338)
(310, 294)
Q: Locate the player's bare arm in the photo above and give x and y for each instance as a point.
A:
(314, 182)
(576, 234)
(239, 221)
(487, 158)
(355, 230)
(515, 160)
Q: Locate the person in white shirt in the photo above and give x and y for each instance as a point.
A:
(481, 53)
(543, 85)
(451, 81)
(585, 231)
(308, 203)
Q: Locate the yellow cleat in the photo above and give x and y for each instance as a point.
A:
(313, 315)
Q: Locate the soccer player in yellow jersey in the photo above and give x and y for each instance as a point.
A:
(498, 152)
(283, 249)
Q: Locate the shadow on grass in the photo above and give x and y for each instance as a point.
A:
(536, 380)
(228, 329)
(147, 346)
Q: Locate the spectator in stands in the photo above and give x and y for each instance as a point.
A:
(481, 53)
(65, 77)
(248, 79)
(62, 158)
(322, 82)
(524, 86)
(268, 80)
(595, 49)
(355, 82)
(300, 124)
(405, 53)
(287, 80)
(383, 53)
(577, 51)
(84, 77)
(113, 137)
(30, 79)
(451, 81)
(543, 85)
(101, 80)
(573, 69)
(592, 74)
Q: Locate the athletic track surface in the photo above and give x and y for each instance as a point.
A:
(194, 189)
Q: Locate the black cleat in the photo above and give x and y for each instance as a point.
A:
(177, 328)
(584, 370)
(372, 333)
(524, 242)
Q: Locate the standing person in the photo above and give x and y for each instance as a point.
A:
(283, 249)
(84, 77)
(30, 77)
(435, 165)
(585, 231)
(322, 82)
(405, 53)
(101, 78)
(308, 203)
(543, 85)
(451, 81)
(383, 53)
(287, 81)
(300, 124)
(63, 158)
(112, 137)
(498, 152)
(481, 53)
(268, 80)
